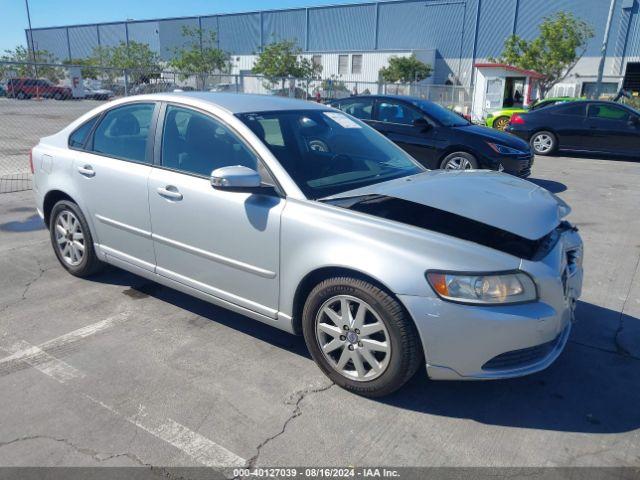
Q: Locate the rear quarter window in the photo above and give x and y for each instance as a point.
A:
(78, 138)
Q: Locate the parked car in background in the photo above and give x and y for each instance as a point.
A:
(582, 126)
(500, 118)
(302, 217)
(97, 93)
(438, 137)
(3, 91)
(158, 87)
(224, 87)
(25, 88)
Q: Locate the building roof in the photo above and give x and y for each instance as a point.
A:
(511, 68)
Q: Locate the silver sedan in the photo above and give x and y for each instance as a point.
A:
(302, 217)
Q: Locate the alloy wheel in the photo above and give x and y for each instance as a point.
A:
(353, 338)
(458, 163)
(542, 143)
(501, 123)
(69, 238)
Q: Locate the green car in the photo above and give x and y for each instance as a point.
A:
(500, 118)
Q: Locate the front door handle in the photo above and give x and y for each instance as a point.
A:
(169, 192)
(86, 170)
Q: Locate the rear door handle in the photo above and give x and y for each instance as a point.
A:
(86, 170)
(169, 192)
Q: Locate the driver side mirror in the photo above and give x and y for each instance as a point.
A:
(237, 177)
(422, 124)
(634, 121)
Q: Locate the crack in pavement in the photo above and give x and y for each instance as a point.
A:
(97, 456)
(621, 349)
(27, 287)
(604, 350)
(299, 396)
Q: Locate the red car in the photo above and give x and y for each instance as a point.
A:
(24, 88)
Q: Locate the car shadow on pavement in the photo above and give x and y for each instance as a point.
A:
(141, 288)
(591, 388)
(553, 187)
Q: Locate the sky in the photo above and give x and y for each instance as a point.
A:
(48, 13)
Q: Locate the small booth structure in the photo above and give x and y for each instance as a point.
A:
(499, 86)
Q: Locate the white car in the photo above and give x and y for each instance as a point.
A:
(302, 217)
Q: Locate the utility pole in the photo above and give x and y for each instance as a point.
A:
(33, 48)
(603, 51)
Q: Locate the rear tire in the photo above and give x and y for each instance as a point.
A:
(71, 240)
(360, 336)
(543, 143)
(57, 96)
(459, 161)
(501, 123)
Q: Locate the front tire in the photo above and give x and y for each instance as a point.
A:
(360, 336)
(544, 143)
(459, 161)
(71, 240)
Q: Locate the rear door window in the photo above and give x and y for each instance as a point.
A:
(571, 109)
(361, 108)
(123, 132)
(391, 111)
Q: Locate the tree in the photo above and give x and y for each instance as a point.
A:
(283, 59)
(23, 58)
(561, 43)
(89, 66)
(140, 62)
(200, 55)
(405, 70)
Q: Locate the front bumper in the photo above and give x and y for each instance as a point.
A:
(466, 342)
(517, 165)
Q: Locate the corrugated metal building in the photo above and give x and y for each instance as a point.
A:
(454, 33)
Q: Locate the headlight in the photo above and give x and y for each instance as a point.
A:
(489, 289)
(504, 150)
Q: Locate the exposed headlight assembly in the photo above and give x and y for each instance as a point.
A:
(483, 289)
(504, 150)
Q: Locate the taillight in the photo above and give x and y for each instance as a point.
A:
(31, 161)
(516, 119)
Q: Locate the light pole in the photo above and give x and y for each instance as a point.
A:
(33, 51)
(603, 51)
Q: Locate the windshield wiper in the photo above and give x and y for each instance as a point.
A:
(348, 202)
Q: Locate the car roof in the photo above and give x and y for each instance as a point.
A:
(241, 102)
(406, 98)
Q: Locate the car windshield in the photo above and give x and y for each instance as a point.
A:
(443, 116)
(328, 152)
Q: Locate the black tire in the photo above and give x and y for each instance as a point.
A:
(548, 139)
(58, 96)
(405, 355)
(461, 157)
(21, 96)
(89, 264)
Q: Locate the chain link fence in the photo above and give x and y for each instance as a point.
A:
(37, 100)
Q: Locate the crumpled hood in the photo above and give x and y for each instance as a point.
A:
(496, 199)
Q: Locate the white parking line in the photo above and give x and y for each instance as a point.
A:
(196, 446)
(47, 364)
(67, 338)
